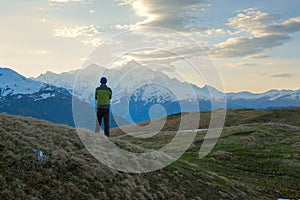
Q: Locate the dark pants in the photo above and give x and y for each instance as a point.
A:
(103, 112)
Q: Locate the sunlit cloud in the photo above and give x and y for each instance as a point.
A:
(124, 27)
(173, 14)
(94, 42)
(167, 54)
(67, 1)
(258, 56)
(241, 47)
(260, 23)
(264, 33)
(88, 35)
(76, 31)
(251, 21)
(217, 31)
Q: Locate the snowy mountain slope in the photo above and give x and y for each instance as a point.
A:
(266, 100)
(12, 83)
(270, 95)
(26, 97)
(60, 81)
(84, 81)
(241, 95)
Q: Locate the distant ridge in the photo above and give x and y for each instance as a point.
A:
(53, 100)
(148, 95)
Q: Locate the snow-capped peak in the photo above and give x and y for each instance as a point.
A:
(13, 83)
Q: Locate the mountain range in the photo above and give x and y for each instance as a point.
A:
(140, 93)
(137, 88)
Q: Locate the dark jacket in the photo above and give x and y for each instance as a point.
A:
(103, 95)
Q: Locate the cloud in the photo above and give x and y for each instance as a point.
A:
(239, 65)
(284, 75)
(281, 75)
(258, 56)
(124, 27)
(93, 41)
(76, 31)
(88, 35)
(173, 14)
(241, 47)
(167, 52)
(67, 1)
(218, 31)
(251, 21)
(260, 23)
(264, 33)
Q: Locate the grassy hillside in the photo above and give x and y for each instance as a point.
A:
(257, 157)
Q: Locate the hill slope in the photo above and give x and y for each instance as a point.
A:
(252, 160)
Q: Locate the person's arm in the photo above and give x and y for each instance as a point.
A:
(110, 94)
(95, 102)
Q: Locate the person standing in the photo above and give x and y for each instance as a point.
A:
(103, 95)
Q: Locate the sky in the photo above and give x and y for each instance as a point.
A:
(254, 44)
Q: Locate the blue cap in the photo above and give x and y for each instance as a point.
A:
(103, 80)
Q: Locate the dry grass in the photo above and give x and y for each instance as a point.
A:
(251, 160)
(72, 173)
